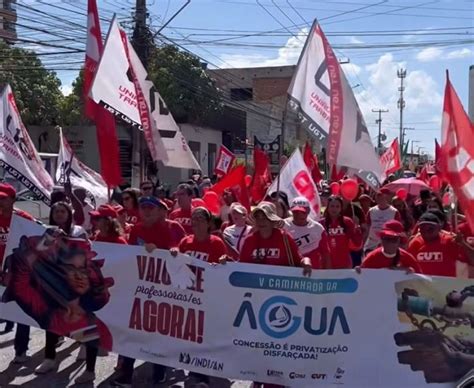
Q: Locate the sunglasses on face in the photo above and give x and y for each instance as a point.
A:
(147, 188)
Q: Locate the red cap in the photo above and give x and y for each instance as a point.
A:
(119, 209)
(7, 190)
(104, 211)
(384, 190)
(392, 228)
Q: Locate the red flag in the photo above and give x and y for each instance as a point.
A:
(261, 177)
(457, 151)
(424, 176)
(311, 161)
(337, 175)
(390, 159)
(105, 123)
(438, 169)
(234, 181)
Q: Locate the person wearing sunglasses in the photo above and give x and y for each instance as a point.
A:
(130, 204)
(390, 255)
(147, 188)
(437, 251)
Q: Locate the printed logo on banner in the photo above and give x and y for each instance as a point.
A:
(319, 376)
(339, 373)
(277, 320)
(274, 373)
(295, 376)
(206, 363)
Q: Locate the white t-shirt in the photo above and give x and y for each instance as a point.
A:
(377, 218)
(307, 237)
(235, 235)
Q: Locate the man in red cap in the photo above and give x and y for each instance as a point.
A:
(7, 210)
(377, 217)
(390, 255)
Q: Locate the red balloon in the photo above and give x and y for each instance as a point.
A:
(435, 183)
(335, 188)
(211, 199)
(349, 189)
(402, 194)
(248, 180)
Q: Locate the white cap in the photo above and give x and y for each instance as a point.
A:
(300, 202)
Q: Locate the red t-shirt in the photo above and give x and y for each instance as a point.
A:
(377, 260)
(210, 250)
(164, 235)
(438, 257)
(468, 234)
(5, 229)
(270, 251)
(183, 217)
(110, 239)
(339, 242)
(133, 216)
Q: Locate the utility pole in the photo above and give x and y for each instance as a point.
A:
(379, 122)
(411, 153)
(401, 73)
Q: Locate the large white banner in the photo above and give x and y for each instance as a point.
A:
(326, 106)
(296, 181)
(114, 88)
(18, 156)
(80, 175)
(380, 328)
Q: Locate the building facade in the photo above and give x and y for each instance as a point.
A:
(8, 21)
(255, 100)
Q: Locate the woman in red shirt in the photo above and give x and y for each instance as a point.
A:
(341, 231)
(130, 204)
(201, 244)
(109, 229)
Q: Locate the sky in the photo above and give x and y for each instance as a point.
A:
(425, 37)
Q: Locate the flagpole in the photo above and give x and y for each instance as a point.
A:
(282, 141)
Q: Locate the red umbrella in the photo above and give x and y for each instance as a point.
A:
(412, 185)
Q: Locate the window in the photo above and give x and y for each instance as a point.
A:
(195, 148)
(241, 94)
(211, 158)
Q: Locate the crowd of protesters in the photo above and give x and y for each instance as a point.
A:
(375, 230)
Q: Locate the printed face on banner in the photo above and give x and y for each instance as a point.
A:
(68, 286)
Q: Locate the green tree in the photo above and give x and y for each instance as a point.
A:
(37, 90)
(72, 105)
(188, 90)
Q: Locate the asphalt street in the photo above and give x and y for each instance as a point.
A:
(12, 375)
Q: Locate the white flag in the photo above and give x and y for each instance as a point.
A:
(79, 174)
(18, 156)
(296, 181)
(122, 86)
(326, 106)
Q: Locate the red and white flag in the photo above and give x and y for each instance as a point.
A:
(295, 181)
(391, 160)
(18, 156)
(107, 140)
(326, 106)
(224, 162)
(123, 87)
(457, 151)
(80, 175)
